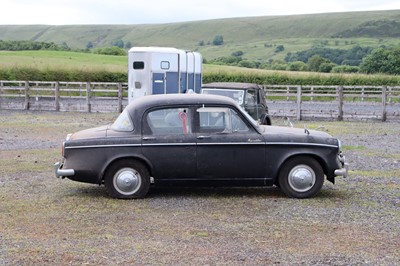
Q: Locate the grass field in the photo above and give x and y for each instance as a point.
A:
(44, 60)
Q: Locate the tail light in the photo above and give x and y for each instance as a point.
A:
(62, 149)
(63, 144)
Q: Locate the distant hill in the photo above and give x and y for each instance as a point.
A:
(256, 37)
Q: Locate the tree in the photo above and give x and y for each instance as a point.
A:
(279, 48)
(65, 47)
(128, 45)
(382, 60)
(247, 64)
(110, 51)
(89, 45)
(218, 40)
(326, 67)
(237, 53)
(118, 43)
(315, 62)
(297, 66)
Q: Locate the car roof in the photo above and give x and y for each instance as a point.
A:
(145, 102)
(231, 85)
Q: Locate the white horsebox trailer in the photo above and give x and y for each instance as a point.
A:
(162, 70)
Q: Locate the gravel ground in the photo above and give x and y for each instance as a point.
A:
(46, 221)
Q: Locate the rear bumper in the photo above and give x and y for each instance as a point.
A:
(61, 173)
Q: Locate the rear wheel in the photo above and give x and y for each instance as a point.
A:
(127, 179)
(301, 177)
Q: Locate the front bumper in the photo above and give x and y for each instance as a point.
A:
(344, 171)
(62, 173)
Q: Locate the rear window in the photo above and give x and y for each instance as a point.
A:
(237, 95)
(123, 122)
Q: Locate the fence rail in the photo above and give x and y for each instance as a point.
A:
(299, 102)
(334, 102)
(63, 96)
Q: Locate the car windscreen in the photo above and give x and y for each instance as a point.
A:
(237, 95)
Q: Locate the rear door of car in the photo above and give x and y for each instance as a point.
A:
(228, 148)
(169, 143)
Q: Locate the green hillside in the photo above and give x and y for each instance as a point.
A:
(256, 37)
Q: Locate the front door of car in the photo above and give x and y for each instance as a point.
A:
(169, 144)
(227, 146)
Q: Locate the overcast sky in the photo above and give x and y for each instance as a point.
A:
(63, 12)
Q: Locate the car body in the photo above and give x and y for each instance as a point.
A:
(202, 140)
(248, 95)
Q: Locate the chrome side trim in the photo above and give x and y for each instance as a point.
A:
(230, 143)
(301, 144)
(204, 143)
(103, 146)
(170, 144)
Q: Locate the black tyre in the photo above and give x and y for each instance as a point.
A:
(127, 179)
(301, 177)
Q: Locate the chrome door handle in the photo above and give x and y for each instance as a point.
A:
(204, 137)
(148, 138)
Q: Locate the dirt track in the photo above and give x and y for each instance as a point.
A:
(46, 221)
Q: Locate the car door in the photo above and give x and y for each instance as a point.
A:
(228, 148)
(169, 144)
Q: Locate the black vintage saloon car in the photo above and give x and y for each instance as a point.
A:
(202, 140)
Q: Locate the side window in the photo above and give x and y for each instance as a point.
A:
(164, 65)
(251, 97)
(237, 123)
(138, 65)
(169, 121)
(220, 120)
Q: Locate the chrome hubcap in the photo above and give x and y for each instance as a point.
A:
(127, 181)
(301, 178)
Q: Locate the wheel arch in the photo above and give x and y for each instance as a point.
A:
(142, 160)
(316, 157)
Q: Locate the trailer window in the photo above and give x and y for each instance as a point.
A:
(138, 65)
(165, 65)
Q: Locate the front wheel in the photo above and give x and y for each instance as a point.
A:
(127, 179)
(301, 177)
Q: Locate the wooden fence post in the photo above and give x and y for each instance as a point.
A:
(1, 92)
(384, 89)
(57, 95)
(340, 100)
(298, 112)
(88, 106)
(26, 104)
(119, 97)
